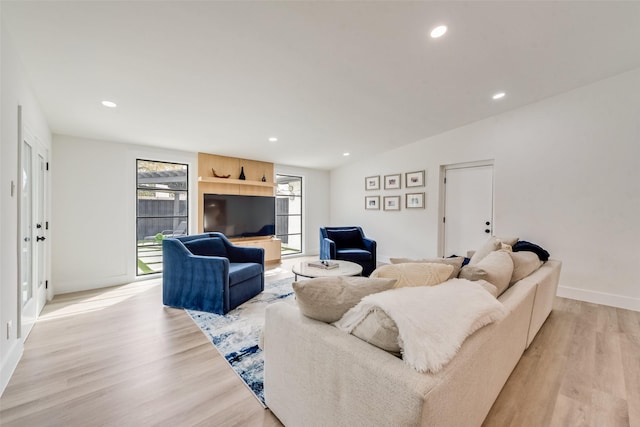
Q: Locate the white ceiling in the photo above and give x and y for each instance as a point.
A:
(324, 77)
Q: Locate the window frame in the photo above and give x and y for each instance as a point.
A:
(184, 217)
(300, 215)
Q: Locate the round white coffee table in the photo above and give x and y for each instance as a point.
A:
(345, 268)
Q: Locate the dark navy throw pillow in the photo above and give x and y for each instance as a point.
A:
(523, 245)
(464, 262)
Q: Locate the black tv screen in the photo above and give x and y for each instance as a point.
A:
(240, 216)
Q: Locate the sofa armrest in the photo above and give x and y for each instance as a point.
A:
(317, 375)
(371, 246)
(546, 279)
(245, 254)
(327, 248)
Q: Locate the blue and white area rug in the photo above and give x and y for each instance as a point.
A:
(236, 334)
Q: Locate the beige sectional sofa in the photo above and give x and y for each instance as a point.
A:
(317, 375)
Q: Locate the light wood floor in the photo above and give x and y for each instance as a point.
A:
(582, 369)
(118, 357)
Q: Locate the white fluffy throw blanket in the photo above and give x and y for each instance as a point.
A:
(433, 321)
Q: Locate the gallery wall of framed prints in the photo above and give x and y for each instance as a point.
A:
(413, 198)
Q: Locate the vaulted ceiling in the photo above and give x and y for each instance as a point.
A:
(323, 77)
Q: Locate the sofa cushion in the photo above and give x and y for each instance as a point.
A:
(510, 241)
(491, 245)
(207, 246)
(456, 262)
(524, 263)
(346, 238)
(241, 271)
(378, 329)
(487, 287)
(328, 298)
(414, 274)
(496, 268)
(523, 245)
(353, 254)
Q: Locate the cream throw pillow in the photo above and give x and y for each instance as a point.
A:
(414, 274)
(510, 241)
(491, 245)
(456, 262)
(524, 263)
(378, 329)
(496, 268)
(328, 298)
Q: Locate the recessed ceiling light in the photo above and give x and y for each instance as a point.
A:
(273, 139)
(346, 154)
(499, 95)
(438, 31)
(109, 104)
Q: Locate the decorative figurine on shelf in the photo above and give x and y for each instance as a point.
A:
(215, 175)
(242, 177)
(264, 178)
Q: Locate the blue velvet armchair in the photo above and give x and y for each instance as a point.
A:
(206, 272)
(348, 244)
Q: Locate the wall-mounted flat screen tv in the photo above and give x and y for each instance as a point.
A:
(240, 216)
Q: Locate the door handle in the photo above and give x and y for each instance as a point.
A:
(38, 238)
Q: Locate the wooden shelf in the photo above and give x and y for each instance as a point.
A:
(236, 181)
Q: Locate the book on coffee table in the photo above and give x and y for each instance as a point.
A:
(324, 264)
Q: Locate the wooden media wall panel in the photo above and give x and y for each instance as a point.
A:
(272, 248)
(251, 186)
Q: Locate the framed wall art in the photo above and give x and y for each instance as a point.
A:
(372, 202)
(372, 183)
(414, 179)
(414, 200)
(391, 203)
(392, 182)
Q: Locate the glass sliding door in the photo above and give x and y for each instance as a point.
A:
(289, 213)
(162, 210)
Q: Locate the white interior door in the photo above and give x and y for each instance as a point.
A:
(42, 226)
(468, 207)
(33, 226)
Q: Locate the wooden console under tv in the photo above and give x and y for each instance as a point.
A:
(271, 246)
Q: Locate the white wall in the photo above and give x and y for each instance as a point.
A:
(15, 91)
(315, 213)
(93, 220)
(93, 243)
(566, 178)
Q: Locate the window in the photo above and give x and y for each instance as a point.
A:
(162, 210)
(289, 213)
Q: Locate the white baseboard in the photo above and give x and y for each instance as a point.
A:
(10, 363)
(602, 298)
